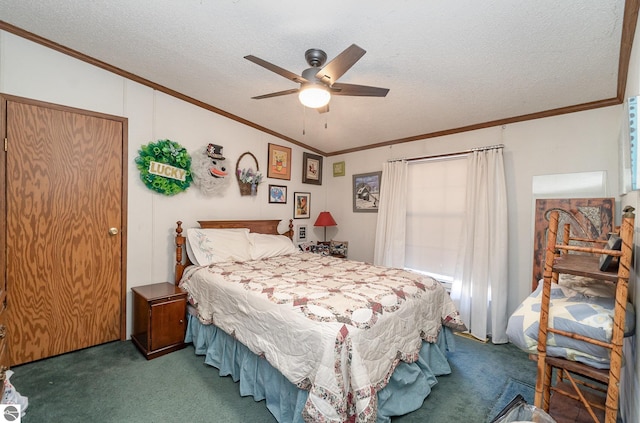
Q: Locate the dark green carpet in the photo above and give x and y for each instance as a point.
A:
(114, 383)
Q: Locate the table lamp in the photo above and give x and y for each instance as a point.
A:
(325, 219)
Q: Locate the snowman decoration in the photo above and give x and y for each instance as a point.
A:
(209, 170)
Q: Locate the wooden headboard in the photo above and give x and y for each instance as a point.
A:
(269, 227)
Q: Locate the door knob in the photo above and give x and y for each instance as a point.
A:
(113, 231)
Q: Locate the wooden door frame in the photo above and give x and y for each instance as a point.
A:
(4, 98)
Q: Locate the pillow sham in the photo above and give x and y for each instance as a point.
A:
(217, 245)
(265, 246)
(192, 257)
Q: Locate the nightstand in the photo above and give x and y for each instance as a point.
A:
(159, 318)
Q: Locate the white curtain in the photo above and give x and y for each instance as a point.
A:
(480, 285)
(392, 215)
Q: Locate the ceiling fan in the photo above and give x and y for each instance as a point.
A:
(318, 82)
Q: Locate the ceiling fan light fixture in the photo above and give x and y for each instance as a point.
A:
(314, 96)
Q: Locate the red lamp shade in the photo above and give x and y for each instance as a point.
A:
(325, 219)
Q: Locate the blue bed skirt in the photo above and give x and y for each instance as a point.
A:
(409, 385)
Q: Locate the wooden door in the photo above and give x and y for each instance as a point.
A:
(64, 195)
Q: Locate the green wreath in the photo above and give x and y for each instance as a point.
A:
(164, 152)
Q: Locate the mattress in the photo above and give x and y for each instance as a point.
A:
(333, 327)
(575, 307)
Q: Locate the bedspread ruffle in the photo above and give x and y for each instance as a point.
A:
(407, 388)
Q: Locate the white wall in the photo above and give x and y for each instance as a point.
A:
(33, 71)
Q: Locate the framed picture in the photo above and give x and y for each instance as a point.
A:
(302, 233)
(338, 248)
(366, 192)
(279, 162)
(338, 169)
(301, 205)
(321, 248)
(311, 169)
(278, 194)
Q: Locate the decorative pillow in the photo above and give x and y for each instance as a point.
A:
(217, 245)
(265, 246)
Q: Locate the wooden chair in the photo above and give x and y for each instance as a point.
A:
(577, 380)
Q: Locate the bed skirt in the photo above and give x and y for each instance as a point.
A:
(408, 387)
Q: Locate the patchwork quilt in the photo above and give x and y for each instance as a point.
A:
(586, 313)
(335, 327)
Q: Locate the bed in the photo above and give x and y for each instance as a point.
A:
(320, 338)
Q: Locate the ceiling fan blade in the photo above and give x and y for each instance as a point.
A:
(333, 70)
(358, 90)
(276, 94)
(277, 69)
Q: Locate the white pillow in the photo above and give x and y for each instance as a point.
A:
(217, 245)
(265, 246)
(192, 257)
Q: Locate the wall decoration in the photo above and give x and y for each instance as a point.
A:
(302, 233)
(301, 205)
(311, 169)
(278, 194)
(279, 162)
(165, 167)
(209, 169)
(366, 192)
(339, 169)
(248, 179)
(591, 218)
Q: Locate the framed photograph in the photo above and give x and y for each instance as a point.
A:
(301, 205)
(321, 248)
(279, 162)
(338, 169)
(366, 192)
(338, 248)
(311, 169)
(278, 194)
(302, 233)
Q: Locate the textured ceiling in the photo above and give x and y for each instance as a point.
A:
(448, 64)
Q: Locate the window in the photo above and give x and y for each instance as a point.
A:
(435, 213)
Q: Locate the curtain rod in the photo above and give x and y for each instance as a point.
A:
(459, 153)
